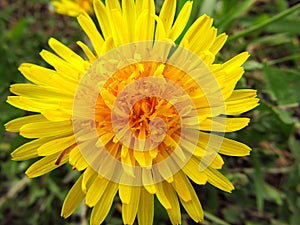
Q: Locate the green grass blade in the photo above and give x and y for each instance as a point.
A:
(215, 219)
(208, 7)
(265, 23)
(234, 13)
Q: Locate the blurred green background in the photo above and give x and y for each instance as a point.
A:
(267, 183)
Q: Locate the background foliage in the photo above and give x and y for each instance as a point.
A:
(267, 183)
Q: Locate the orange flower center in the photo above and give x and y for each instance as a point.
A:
(144, 111)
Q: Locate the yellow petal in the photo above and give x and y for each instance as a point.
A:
(148, 182)
(58, 114)
(145, 5)
(217, 163)
(231, 80)
(125, 192)
(170, 142)
(192, 169)
(77, 160)
(29, 104)
(146, 11)
(87, 51)
(33, 73)
(164, 169)
(73, 199)
(196, 31)
(161, 195)
(218, 43)
(168, 198)
(108, 97)
(193, 207)
(181, 186)
(118, 29)
(89, 176)
(241, 106)
(113, 4)
(102, 18)
(129, 210)
(66, 53)
(223, 145)
(241, 94)
(49, 78)
(241, 101)
(234, 148)
(66, 70)
(206, 56)
(29, 149)
(129, 17)
(128, 161)
(160, 33)
(35, 91)
(236, 61)
(56, 145)
(69, 7)
(108, 45)
(96, 190)
(143, 158)
(16, 124)
(181, 21)
(104, 139)
(145, 212)
(190, 145)
(103, 206)
(167, 14)
(91, 31)
(203, 44)
(46, 129)
(220, 124)
(45, 165)
(218, 180)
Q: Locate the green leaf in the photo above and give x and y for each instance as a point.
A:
(294, 145)
(258, 181)
(283, 85)
(273, 40)
(295, 218)
(273, 194)
(232, 214)
(284, 115)
(268, 122)
(252, 65)
(254, 223)
(290, 26)
(18, 30)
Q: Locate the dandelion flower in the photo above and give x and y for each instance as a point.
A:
(73, 7)
(138, 115)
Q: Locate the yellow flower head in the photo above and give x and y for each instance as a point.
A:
(138, 115)
(73, 7)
